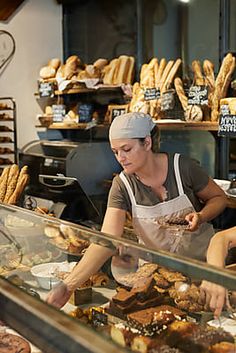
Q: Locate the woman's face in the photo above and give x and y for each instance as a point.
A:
(130, 153)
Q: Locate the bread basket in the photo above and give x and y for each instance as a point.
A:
(45, 120)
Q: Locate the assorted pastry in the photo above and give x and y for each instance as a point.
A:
(66, 238)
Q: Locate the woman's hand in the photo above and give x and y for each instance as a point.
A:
(194, 221)
(59, 295)
(214, 295)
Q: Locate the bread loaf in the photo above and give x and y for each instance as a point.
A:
(100, 63)
(47, 72)
(3, 182)
(171, 75)
(178, 83)
(121, 73)
(54, 63)
(21, 184)
(166, 73)
(109, 72)
(130, 74)
(12, 181)
(160, 71)
(197, 72)
(208, 68)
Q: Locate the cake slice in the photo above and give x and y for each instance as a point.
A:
(149, 321)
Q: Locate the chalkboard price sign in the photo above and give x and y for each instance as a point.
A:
(46, 89)
(151, 94)
(167, 100)
(117, 111)
(59, 112)
(198, 95)
(227, 125)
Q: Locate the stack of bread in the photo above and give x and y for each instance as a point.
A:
(203, 75)
(155, 74)
(13, 181)
(163, 75)
(117, 71)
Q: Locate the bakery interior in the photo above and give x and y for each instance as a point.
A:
(57, 100)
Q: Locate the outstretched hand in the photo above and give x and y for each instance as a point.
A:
(59, 295)
(193, 220)
(215, 296)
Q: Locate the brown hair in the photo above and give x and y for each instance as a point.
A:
(155, 136)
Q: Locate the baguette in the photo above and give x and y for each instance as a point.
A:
(12, 181)
(21, 184)
(208, 68)
(160, 71)
(3, 182)
(165, 74)
(197, 72)
(178, 83)
(171, 75)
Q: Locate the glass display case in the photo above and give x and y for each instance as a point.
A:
(37, 252)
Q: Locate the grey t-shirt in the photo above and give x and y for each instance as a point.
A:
(194, 179)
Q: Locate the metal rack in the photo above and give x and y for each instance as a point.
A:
(8, 134)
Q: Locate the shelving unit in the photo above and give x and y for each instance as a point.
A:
(8, 135)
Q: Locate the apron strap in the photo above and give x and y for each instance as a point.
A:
(128, 188)
(177, 174)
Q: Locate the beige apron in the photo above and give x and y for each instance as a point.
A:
(151, 223)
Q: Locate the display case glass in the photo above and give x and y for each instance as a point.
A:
(38, 251)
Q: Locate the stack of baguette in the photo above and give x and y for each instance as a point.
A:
(217, 87)
(155, 74)
(13, 181)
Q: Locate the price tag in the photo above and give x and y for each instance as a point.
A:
(59, 112)
(99, 318)
(198, 95)
(116, 112)
(151, 94)
(46, 89)
(227, 125)
(167, 100)
(85, 113)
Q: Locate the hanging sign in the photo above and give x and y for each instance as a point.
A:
(198, 95)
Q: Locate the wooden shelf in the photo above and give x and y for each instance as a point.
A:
(184, 125)
(84, 90)
(198, 126)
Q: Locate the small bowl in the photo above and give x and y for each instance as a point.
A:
(45, 273)
(223, 184)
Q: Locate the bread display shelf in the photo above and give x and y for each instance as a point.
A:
(101, 88)
(184, 125)
(162, 124)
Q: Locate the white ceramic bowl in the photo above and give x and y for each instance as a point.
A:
(45, 273)
(224, 184)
